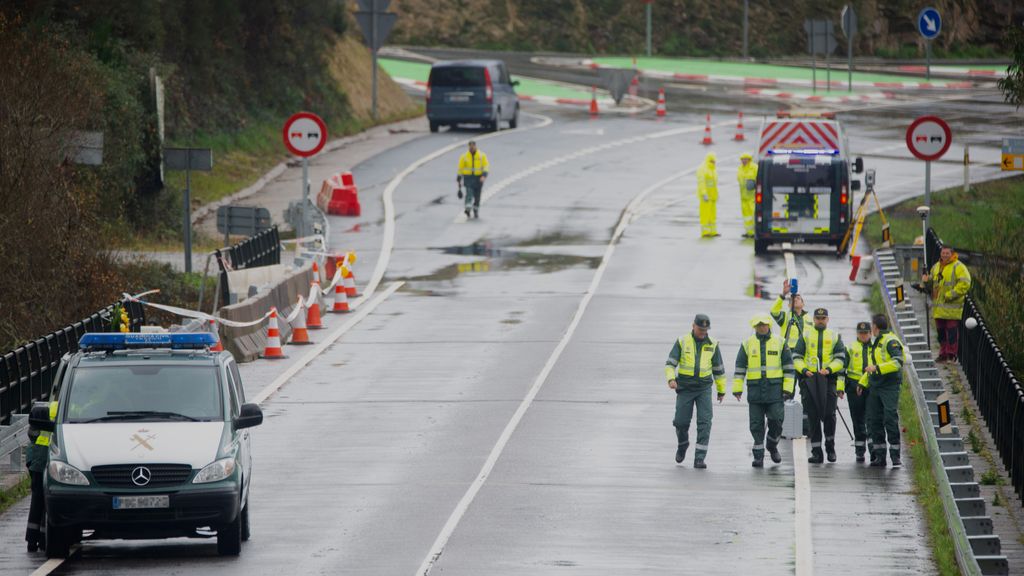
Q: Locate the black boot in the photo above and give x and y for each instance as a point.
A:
(699, 463)
(830, 453)
(878, 460)
(895, 458)
(681, 453)
(816, 456)
(774, 453)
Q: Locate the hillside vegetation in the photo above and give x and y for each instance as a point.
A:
(232, 70)
(699, 27)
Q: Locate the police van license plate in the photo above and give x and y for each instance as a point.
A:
(458, 98)
(140, 502)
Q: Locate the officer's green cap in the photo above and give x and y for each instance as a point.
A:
(821, 312)
(863, 326)
(702, 321)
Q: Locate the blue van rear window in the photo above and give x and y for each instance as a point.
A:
(457, 76)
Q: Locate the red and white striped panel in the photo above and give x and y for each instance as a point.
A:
(800, 134)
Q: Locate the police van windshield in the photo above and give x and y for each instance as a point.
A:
(457, 76)
(144, 393)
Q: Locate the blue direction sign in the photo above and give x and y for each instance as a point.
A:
(929, 23)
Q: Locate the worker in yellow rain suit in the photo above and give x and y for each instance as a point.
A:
(707, 194)
(747, 177)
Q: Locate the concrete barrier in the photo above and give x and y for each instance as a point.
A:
(246, 344)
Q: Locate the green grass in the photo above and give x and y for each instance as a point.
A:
(925, 488)
(992, 478)
(875, 300)
(10, 496)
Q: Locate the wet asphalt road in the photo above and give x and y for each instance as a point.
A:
(366, 454)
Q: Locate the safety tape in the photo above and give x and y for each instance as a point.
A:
(300, 307)
(314, 238)
(198, 315)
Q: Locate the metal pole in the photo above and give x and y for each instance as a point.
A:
(373, 50)
(188, 212)
(828, 65)
(814, 59)
(849, 53)
(967, 167)
(746, 10)
(305, 197)
(928, 60)
(928, 192)
(649, 30)
(926, 270)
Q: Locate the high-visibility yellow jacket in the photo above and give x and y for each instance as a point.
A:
(473, 165)
(745, 173)
(707, 181)
(858, 356)
(887, 354)
(819, 348)
(44, 437)
(766, 364)
(949, 285)
(793, 325)
(695, 364)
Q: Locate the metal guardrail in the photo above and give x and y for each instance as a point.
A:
(262, 249)
(977, 549)
(996, 389)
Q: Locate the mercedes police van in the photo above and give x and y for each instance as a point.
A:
(150, 440)
(804, 182)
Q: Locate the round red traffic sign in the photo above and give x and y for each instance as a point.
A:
(305, 134)
(929, 137)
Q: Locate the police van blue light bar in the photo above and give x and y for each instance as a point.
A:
(127, 340)
(805, 151)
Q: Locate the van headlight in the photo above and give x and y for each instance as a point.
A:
(218, 470)
(66, 474)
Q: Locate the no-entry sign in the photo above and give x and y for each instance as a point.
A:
(305, 134)
(929, 138)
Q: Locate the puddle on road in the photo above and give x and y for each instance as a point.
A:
(496, 258)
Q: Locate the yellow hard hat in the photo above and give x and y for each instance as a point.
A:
(760, 319)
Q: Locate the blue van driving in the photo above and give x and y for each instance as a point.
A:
(471, 92)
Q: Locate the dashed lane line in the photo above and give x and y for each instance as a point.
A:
(474, 488)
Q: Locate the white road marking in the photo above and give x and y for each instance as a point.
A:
(493, 190)
(48, 567)
(460, 509)
(389, 195)
(802, 486)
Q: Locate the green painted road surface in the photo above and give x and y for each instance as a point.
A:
(527, 86)
(748, 70)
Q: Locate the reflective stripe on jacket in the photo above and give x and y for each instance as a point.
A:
(44, 437)
(695, 363)
(820, 349)
(707, 182)
(857, 359)
(744, 173)
(766, 364)
(887, 354)
(793, 325)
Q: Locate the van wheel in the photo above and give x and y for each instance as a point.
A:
(760, 247)
(434, 126)
(229, 537)
(246, 525)
(58, 541)
(514, 122)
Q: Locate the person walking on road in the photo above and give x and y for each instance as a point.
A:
(793, 322)
(747, 177)
(707, 194)
(857, 357)
(473, 169)
(694, 362)
(883, 376)
(948, 284)
(818, 357)
(766, 364)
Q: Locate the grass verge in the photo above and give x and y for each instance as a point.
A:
(11, 495)
(926, 488)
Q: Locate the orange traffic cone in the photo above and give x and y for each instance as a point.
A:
(313, 321)
(300, 335)
(329, 295)
(707, 132)
(218, 347)
(634, 85)
(350, 277)
(593, 101)
(660, 110)
(340, 297)
(273, 349)
(739, 129)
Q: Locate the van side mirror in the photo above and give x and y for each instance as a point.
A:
(250, 415)
(858, 165)
(855, 185)
(39, 417)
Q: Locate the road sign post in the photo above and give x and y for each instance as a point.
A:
(928, 138)
(648, 11)
(188, 159)
(305, 134)
(929, 24)
(376, 23)
(848, 22)
(819, 42)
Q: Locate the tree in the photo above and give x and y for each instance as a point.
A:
(1013, 84)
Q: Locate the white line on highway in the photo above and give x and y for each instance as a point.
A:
(493, 190)
(802, 533)
(48, 567)
(460, 509)
(389, 194)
